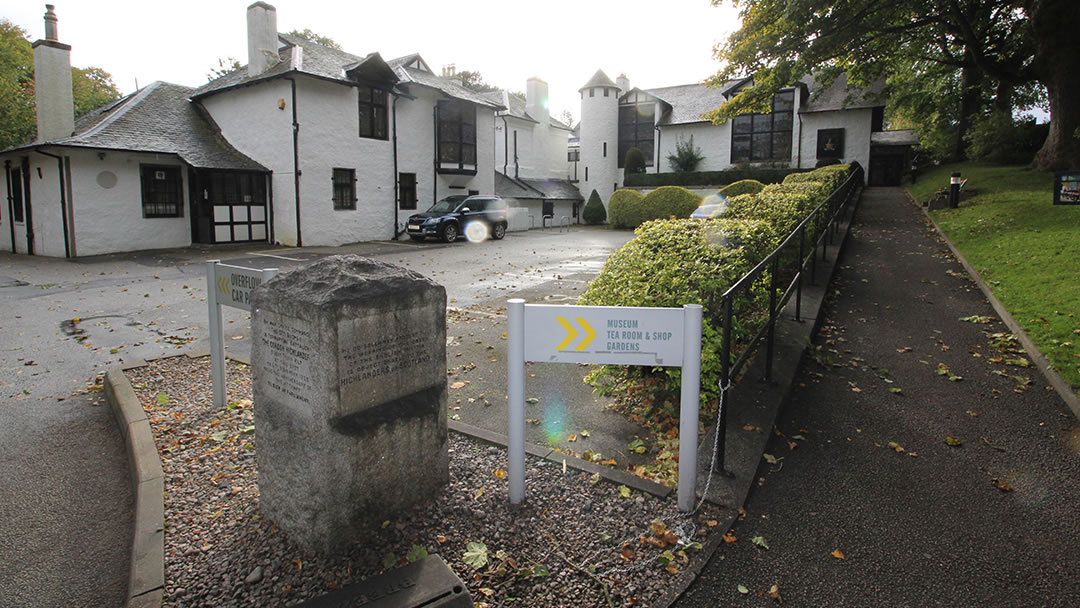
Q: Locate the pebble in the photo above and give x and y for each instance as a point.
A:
(218, 545)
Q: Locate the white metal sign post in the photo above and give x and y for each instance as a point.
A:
(227, 286)
(615, 335)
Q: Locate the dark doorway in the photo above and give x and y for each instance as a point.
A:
(229, 207)
(886, 169)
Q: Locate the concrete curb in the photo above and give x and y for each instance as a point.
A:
(146, 577)
(1043, 364)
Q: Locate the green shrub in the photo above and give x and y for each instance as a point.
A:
(676, 262)
(765, 175)
(1000, 139)
(747, 186)
(634, 161)
(687, 157)
(625, 209)
(668, 201)
(594, 212)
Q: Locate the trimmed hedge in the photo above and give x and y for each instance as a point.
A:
(748, 186)
(625, 209)
(766, 175)
(594, 212)
(676, 262)
(668, 201)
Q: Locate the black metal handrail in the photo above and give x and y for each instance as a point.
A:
(835, 205)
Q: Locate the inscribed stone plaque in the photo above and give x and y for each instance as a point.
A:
(349, 373)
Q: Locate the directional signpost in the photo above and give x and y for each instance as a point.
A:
(614, 335)
(227, 286)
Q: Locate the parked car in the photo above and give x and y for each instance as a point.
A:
(714, 206)
(452, 216)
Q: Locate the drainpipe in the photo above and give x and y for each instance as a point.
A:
(63, 198)
(798, 157)
(296, 160)
(435, 156)
(516, 167)
(28, 207)
(397, 176)
(10, 202)
(506, 144)
(656, 167)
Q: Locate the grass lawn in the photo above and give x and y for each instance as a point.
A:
(1026, 248)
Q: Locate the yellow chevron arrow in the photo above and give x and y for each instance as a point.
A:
(223, 285)
(590, 333)
(571, 333)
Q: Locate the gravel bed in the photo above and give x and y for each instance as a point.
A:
(219, 551)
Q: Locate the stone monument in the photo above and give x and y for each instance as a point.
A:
(349, 368)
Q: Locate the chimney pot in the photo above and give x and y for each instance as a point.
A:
(50, 23)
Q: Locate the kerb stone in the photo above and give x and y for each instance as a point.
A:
(349, 370)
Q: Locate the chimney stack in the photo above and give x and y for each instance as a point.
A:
(262, 38)
(449, 71)
(52, 84)
(623, 83)
(536, 100)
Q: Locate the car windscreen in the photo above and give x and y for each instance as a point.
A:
(444, 206)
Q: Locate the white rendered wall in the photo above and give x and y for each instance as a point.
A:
(714, 141)
(251, 120)
(108, 220)
(329, 126)
(599, 125)
(856, 125)
(416, 150)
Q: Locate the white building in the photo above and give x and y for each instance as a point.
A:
(306, 145)
(805, 128)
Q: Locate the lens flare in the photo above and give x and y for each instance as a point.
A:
(476, 232)
(554, 420)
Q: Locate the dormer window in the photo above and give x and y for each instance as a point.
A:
(372, 111)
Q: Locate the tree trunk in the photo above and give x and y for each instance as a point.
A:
(970, 81)
(1057, 63)
(1003, 97)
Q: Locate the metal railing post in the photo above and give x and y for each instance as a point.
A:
(725, 371)
(799, 273)
(772, 320)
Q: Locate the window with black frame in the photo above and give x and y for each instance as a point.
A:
(17, 196)
(764, 137)
(457, 136)
(636, 127)
(344, 189)
(407, 190)
(372, 109)
(162, 191)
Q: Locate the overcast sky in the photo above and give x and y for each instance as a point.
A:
(562, 41)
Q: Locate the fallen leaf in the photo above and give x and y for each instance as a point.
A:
(837, 553)
(624, 491)
(532, 400)
(953, 441)
(584, 433)
(672, 568)
(479, 493)
(742, 589)
(729, 538)
(749, 427)
(774, 593)
(627, 554)
(458, 385)
(500, 473)
(572, 438)
(1004, 486)
(441, 539)
(475, 555)
(712, 523)
(760, 541)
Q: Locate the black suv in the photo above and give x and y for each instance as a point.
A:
(452, 216)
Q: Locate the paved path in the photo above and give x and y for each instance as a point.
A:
(925, 530)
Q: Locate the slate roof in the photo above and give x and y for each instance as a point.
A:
(837, 97)
(599, 79)
(540, 189)
(516, 108)
(306, 57)
(687, 102)
(160, 119)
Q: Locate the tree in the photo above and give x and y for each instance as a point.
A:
(91, 87)
(567, 118)
(307, 34)
(634, 161)
(686, 158)
(594, 212)
(17, 120)
(225, 66)
(990, 45)
(474, 81)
